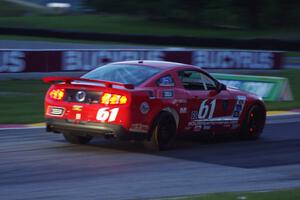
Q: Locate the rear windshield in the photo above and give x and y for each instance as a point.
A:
(122, 73)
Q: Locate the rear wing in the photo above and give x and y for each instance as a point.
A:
(69, 80)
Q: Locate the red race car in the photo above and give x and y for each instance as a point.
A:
(152, 101)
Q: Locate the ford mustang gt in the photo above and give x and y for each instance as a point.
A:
(153, 101)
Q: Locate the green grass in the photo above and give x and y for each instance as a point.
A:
(10, 9)
(292, 194)
(14, 15)
(21, 101)
(293, 54)
(49, 39)
(135, 25)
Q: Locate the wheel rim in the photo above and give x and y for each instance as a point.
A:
(254, 123)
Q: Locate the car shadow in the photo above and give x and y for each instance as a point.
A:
(228, 151)
(277, 146)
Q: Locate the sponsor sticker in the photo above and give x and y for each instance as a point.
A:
(168, 93)
(183, 110)
(55, 111)
(180, 101)
(194, 115)
(166, 81)
(77, 108)
(144, 107)
(239, 106)
(78, 116)
(197, 126)
(236, 114)
(241, 98)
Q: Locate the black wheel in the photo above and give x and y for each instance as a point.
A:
(254, 123)
(77, 139)
(163, 133)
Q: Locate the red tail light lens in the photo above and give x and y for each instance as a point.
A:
(113, 99)
(57, 94)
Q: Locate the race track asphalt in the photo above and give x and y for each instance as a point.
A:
(39, 165)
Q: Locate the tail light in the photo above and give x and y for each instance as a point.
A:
(113, 99)
(57, 94)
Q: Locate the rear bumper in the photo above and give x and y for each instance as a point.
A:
(91, 128)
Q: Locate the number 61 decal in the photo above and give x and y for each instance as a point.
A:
(106, 113)
(206, 111)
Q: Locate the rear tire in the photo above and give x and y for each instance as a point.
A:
(163, 133)
(77, 139)
(254, 123)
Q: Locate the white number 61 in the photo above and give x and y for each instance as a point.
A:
(105, 113)
(205, 111)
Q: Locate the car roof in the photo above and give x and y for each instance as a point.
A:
(157, 64)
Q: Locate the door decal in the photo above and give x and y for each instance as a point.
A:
(206, 110)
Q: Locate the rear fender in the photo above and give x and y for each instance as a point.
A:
(174, 113)
(169, 110)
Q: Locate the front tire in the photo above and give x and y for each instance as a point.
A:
(163, 133)
(254, 123)
(77, 139)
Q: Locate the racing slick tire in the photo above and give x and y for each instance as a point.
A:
(253, 124)
(163, 133)
(77, 139)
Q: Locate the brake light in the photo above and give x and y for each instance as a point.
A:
(57, 94)
(113, 99)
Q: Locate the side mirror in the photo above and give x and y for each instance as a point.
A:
(221, 87)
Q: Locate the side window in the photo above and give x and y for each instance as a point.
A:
(209, 83)
(165, 81)
(191, 80)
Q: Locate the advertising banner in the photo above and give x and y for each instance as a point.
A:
(231, 59)
(13, 61)
(269, 88)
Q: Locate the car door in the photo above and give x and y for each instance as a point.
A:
(209, 107)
